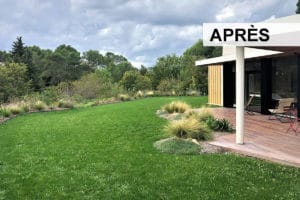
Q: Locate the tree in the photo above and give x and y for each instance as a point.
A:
(194, 76)
(117, 71)
(298, 7)
(93, 85)
(62, 65)
(94, 59)
(166, 67)
(134, 81)
(143, 70)
(170, 87)
(13, 82)
(5, 57)
(18, 50)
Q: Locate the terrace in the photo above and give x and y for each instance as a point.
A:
(264, 138)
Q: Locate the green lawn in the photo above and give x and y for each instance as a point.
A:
(107, 152)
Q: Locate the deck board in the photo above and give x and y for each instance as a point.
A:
(264, 138)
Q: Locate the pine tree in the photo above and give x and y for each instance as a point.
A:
(298, 7)
(18, 50)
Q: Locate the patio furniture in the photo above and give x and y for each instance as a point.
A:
(294, 120)
(281, 112)
(247, 107)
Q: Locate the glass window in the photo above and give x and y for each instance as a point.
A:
(284, 77)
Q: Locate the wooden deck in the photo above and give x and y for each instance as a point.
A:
(264, 138)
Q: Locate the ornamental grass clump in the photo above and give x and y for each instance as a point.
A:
(176, 107)
(25, 107)
(189, 128)
(204, 114)
(65, 104)
(124, 97)
(39, 105)
(15, 109)
(222, 125)
(5, 112)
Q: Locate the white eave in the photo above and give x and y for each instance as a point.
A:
(249, 53)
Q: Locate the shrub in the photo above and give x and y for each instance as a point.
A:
(50, 95)
(204, 133)
(189, 128)
(219, 124)
(65, 104)
(39, 105)
(124, 97)
(176, 106)
(139, 94)
(204, 115)
(5, 112)
(177, 146)
(149, 94)
(182, 128)
(25, 107)
(15, 110)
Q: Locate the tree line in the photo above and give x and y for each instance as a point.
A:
(29, 70)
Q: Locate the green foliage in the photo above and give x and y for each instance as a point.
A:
(94, 59)
(94, 85)
(298, 7)
(176, 107)
(205, 116)
(62, 65)
(124, 97)
(50, 95)
(189, 128)
(39, 105)
(219, 124)
(118, 69)
(25, 107)
(5, 57)
(199, 51)
(176, 145)
(170, 87)
(183, 70)
(134, 81)
(171, 75)
(5, 112)
(65, 104)
(18, 50)
(166, 67)
(15, 109)
(13, 81)
(88, 86)
(202, 116)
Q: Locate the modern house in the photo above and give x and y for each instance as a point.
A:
(266, 73)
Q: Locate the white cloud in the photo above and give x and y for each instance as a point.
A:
(139, 30)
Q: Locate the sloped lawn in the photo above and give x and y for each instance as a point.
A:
(107, 152)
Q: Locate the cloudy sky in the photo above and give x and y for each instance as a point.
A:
(141, 30)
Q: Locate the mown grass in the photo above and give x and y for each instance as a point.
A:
(107, 152)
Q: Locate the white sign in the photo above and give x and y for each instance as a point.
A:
(251, 34)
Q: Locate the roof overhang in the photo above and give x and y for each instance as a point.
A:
(249, 53)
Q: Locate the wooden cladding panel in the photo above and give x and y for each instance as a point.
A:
(215, 84)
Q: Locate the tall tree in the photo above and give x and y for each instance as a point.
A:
(62, 65)
(298, 7)
(18, 50)
(166, 67)
(94, 59)
(5, 57)
(13, 81)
